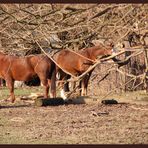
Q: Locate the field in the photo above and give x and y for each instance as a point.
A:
(90, 123)
(27, 29)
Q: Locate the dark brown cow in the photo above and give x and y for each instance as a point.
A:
(24, 68)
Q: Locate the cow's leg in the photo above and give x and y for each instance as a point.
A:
(85, 82)
(52, 84)
(63, 93)
(83, 87)
(64, 86)
(46, 86)
(0, 82)
(10, 84)
(80, 87)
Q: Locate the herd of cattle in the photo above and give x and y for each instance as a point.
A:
(65, 63)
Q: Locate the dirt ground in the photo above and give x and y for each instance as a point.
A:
(92, 123)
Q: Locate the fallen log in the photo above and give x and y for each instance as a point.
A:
(48, 102)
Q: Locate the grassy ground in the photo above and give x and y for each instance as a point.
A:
(4, 92)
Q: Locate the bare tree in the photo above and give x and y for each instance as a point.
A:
(71, 26)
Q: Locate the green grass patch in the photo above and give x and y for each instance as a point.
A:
(22, 91)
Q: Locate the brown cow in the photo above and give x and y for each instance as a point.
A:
(76, 64)
(24, 68)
